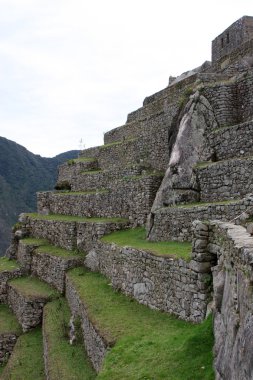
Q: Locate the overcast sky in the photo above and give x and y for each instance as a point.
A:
(74, 69)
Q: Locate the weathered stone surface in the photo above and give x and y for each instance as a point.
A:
(7, 343)
(95, 344)
(233, 310)
(163, 283)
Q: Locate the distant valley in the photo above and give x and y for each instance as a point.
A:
(22, 174)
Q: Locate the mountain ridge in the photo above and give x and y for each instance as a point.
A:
(22, 174)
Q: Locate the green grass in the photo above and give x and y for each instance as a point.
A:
(70, 218)
(200, 204)
(117, 143)
(88, 192)
(57, 251)
(8, 321)
(34, 241)
(205, 164)
(148, 344)
(65, 361)
(136, 238)
(7, 264)
(26, 361)
(81, 159)
(44, 247)
(32, 287)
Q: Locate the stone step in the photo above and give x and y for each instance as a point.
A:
(27, 296)
(175, 223)
(63, 353)
(161, 275)
(232, 141)
(100, 179)
(26, 361)
(69, 232)
(8, 269)
(228, 179)
(73, 168)
(132, 197)
(9, 332)
(114, 325)
(47, 262)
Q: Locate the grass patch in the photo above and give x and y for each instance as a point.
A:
(57, 251)
(8, 321)
(32, 287)
(117, 143)
(34, 241)
(149, 344)
(7, 264)
(44, 247)
(70, 218)
(200, 204)
(136, 238)
(65, 361)
(80, 159)
(26, 361)
(205, 164)
(89, 192)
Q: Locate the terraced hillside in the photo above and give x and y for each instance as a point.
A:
(139, 265)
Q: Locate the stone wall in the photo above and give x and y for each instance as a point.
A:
(233, 37)
(7, 343)
(5, 276)
(171, 285)
(52, 269)
(140, 190)
(71, 235)
(73, 168)
(175, 223)
(233, 141)
(233, 308)
(95, 344)
(27, 310)
(231, 179)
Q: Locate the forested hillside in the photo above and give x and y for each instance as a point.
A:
(22, 173)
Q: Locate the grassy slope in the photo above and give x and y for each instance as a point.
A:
(6, 264)
(8, 321)
(26, 361)
(70, 218)
(136, 238)
(43, 246)
(149, 344)
(65, 361)
(33, 287)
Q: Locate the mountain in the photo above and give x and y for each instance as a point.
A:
(22, 173)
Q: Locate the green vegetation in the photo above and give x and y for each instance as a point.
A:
(88, 192)
(8, 321)
(7, 264)
(136, 238)
(69, 218)
(44, 247)
(26, 361)
(34, 241)
(201, 204)
(80, 159)
(22, 173)
(32, 287)
(148, 344)
(65, 361)
(117, 143)
(57, 251)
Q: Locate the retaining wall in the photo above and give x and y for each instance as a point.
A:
(225, 180)
(233, 308)
(7, 343)
(5, 276)
(163, 283)
(95, 344)
(175, 223)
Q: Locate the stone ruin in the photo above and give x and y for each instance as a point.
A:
(182, 166)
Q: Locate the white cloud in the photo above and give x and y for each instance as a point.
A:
(71, 70)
